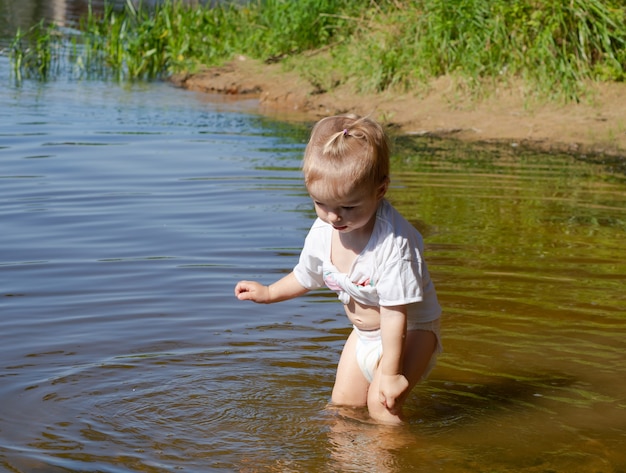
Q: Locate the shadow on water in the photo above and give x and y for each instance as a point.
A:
(408, 145)
(453, 403)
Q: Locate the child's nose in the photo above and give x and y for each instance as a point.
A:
(334, 216)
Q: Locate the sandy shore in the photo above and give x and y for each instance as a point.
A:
(596, 126)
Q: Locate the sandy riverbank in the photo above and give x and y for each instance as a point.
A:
(595, 126)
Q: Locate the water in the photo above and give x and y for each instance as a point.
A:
(128, 213)
(22, 14)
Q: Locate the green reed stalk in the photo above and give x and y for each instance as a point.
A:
(34, 53)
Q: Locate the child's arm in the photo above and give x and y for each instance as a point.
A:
(393, 384)
(282, 290)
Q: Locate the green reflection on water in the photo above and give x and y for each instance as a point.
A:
(527, 254)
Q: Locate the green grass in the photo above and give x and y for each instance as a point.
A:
(554, 46)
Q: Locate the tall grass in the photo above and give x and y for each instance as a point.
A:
(553, 45)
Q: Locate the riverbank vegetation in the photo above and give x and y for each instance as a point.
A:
(555, 46)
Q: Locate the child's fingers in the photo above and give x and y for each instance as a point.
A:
(244, 296)
(238, 288)
(247, 291)
(390, 402)
(383, 400)
(242, 287)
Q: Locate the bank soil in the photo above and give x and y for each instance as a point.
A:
(595, 126)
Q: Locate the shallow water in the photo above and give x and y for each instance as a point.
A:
(129, 212)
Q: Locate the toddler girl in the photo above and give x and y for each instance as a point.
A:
(362, 248)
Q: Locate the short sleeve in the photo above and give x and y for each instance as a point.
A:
(401, 282)
(308, 271)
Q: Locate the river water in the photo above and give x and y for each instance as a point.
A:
(128, 213)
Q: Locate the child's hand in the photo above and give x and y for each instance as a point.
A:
(393, 390)
(252, 291)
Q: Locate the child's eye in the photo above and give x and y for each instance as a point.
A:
(348, 207)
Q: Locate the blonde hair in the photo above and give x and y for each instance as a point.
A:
(345, 152)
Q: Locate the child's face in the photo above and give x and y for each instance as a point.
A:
(353, 212)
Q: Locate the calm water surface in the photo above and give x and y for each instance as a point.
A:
(129, 212)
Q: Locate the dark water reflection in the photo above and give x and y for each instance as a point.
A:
(128, 213)
(23, 14)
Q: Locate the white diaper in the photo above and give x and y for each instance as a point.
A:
(369, 350)
(369, 347)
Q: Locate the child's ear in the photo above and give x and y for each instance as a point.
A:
(382, 189)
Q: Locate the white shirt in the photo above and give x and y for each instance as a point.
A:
(389, 271)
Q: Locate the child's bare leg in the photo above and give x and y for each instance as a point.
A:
(350, 385)
(419, 348)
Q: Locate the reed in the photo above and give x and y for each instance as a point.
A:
(555, 46)
(35, 52)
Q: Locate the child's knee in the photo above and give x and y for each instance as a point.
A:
(342, 396)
